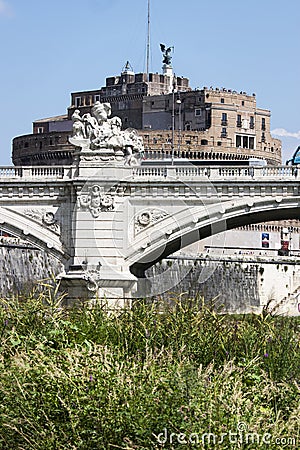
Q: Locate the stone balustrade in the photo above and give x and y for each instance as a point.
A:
(190, 172)
(217, 172)
(36, 172)
(10, 172)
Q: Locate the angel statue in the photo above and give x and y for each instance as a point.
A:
(166, 54)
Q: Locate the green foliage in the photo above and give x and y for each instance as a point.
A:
(86, 378)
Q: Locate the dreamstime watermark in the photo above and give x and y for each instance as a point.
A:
(241, 435)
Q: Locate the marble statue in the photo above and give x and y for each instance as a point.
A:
(97, 133)
(78, 125)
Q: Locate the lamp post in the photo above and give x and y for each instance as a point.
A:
(173, 115)
(178, 101)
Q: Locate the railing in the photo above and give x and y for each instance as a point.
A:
(192, 171)
(34, 172)
(53, 172)
(10, 172)
(150, 172)
(217, 172)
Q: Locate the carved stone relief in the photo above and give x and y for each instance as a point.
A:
(96, 201)
(44, 217)
(91, 278)
(148, 217)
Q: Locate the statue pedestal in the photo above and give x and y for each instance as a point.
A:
(115, 289)
(102, 160)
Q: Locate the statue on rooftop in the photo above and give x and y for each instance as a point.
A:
(166, 54)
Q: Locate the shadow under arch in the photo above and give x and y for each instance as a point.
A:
(227, 222)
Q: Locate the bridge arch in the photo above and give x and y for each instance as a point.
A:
(198, 224)
(32, 232)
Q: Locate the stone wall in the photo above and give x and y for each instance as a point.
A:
(21, 267)
(231, 284)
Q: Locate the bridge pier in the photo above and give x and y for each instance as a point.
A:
(97, 269)
(84, 285)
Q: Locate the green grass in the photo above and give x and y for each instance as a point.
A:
(83, 378)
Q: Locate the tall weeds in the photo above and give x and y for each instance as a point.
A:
(81, 378)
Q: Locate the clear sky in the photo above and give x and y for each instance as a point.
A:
(52, 48)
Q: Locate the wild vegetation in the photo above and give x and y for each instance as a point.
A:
(152, 377)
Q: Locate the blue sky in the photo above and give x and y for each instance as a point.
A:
(52, 48)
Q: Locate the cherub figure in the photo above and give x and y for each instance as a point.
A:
(78, 126)
(90, 125)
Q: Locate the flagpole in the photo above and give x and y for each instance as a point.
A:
(148, 41)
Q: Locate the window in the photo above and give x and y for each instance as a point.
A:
(243, 103)
(245, 141)
(263, 124)
(251, 122)
(219, 143)
(40, 130)
(251, 143)
(224, 119)
(198, 112)
(204, 141)
(96, 98)
(238, 141)
(263, 137)
(77, 101)
(224, 132)
(222, 100)
(239, 121)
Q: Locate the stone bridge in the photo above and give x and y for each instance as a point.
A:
(107, 222)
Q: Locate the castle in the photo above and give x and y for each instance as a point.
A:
(173, 119)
